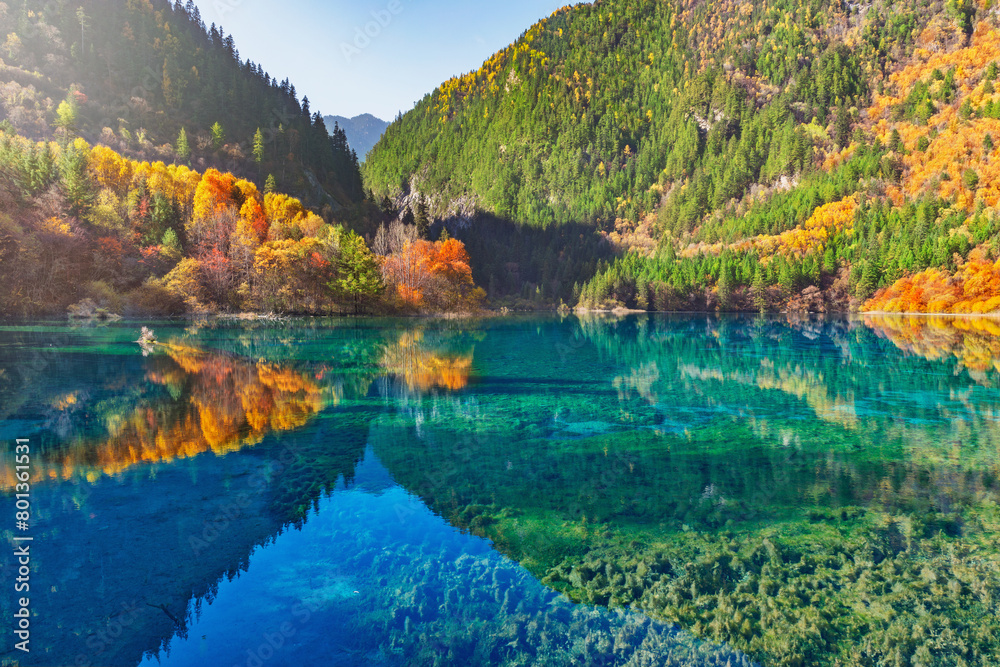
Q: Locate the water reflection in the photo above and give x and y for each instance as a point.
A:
(793, 380)
(687, 465)
(973, 342)
(748, 479)
(421, 364)
(193, 400)
(190, 401)
(390, 583)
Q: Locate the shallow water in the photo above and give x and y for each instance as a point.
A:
(515, 491)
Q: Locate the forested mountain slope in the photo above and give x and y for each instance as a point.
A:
(143, 171)
(733, 155)
(135, 74)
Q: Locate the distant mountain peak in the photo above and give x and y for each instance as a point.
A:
(363, 131)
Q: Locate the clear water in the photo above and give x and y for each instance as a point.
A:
(510, 492)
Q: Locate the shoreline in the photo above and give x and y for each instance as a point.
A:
(988, 316)
(487, 314)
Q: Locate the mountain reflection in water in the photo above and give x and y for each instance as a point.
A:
(462, 476)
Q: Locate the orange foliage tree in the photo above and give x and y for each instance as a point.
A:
(215, 211)
(974, 288)
(292, 275)
(433, 276)
(214, 240)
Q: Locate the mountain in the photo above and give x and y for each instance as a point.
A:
(133, 75)
(727, 155)
(362, 131)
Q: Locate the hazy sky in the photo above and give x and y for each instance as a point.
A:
(375, 56)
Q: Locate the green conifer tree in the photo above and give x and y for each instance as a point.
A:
(422, 219)
(258, 147)
(359, 278)
(218, 136)
(183, 147)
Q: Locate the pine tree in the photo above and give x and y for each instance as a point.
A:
(868, 283)
(75, 183)
(218, 136)
(422, 220)
(725, 288)
(896, 141)
(842, 128)
(759, 291)
(258, 147)
(358, 275)
(829, 261)
(388, 210)
(183, 148)
(786, 278)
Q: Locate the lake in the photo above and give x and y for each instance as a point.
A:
(645, 490)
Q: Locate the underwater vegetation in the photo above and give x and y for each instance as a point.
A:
(767, 485)
(436, 600)
(818, 584)
(796, 492)
(871, 595)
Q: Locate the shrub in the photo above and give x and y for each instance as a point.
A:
(151, 300)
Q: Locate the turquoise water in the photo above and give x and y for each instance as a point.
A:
(646, 490)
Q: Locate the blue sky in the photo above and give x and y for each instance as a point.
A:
(375, 56)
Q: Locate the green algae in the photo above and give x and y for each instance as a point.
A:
(809, 501)
(854, 586)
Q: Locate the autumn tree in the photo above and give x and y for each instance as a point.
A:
(215, 211)
(67, 114)
(293, 275)
(392, 238)
(149, 233)
(433, 276)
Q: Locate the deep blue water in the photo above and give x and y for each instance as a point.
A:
(382, 492)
